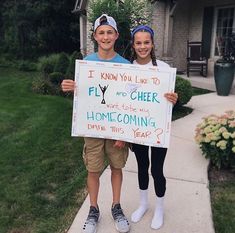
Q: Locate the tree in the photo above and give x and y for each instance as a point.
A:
(30, 28)
(128, 14)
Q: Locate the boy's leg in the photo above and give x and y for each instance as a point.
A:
(93, 155)
(116, 180)
(93, 184)
(117, 159)
(121, 222)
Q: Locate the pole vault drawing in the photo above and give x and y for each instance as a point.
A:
(103, 89)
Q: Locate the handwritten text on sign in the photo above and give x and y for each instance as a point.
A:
(123, 101)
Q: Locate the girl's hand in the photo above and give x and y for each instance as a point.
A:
(67, 85)
(119, 144)
(172, 97)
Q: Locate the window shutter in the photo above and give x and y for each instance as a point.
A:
(207, 30)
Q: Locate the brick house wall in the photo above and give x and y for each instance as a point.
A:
(180, 34)
(90, 44)
(188, 21)
(158, 25)
(171, 39)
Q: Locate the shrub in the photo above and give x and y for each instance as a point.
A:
(184, 90)
(71, 67)
(216, 138)
(46, 64)
(128, 14)
(27, 66)
(56, 78)
(53, 69)
(5, 61)
(62, 63)
(44, 86)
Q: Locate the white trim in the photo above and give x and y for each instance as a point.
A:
(172, 10)
(214, 26)
(166, 31)
(234, 20)
(83, 34)
(215, 20)
(80, 5)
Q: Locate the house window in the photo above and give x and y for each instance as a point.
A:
(225, 26)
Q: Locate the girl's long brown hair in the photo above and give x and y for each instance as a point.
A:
(152, 53)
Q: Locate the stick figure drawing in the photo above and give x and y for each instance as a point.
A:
(103, 89)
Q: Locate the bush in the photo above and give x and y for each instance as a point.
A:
(27, 66)
(46, 64)
(56, 78)
(45, 87)
(127, 14)
(62, 63)
(216, 138)
(53, 69)
(71, 68)
(5, 61)
(184, 90)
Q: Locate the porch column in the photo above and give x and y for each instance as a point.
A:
(167, 40)
(83, 34)
(167, 46)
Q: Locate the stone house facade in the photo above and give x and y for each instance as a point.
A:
(175, 22)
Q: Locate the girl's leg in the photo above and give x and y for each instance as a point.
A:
(141, 153)
(157, 161)
(142, 158)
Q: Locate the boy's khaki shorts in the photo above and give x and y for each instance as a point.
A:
(95, 150)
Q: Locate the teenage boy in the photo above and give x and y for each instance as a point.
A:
(105, 34)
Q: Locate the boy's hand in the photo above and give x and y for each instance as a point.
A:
(67, 85)
(119, 144)
(172, 97)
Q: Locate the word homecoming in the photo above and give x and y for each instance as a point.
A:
(125, 78)
(127, 119)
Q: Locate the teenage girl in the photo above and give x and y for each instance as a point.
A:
(143, 54)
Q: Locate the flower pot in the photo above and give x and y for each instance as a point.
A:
(224, 75)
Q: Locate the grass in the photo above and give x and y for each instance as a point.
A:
(222, 185)
(41, 168)
(222, 189)
(182, 111)
(199, 91)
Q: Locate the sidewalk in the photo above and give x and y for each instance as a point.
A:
(187, 200)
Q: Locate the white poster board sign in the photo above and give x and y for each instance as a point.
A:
(123, 102)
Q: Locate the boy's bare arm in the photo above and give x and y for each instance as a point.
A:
(67, 85)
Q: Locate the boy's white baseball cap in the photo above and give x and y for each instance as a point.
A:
(105, 20)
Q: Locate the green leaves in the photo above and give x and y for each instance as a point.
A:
(128, 14)
(216, 138)
(32, 28)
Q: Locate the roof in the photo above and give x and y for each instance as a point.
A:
(80, 6)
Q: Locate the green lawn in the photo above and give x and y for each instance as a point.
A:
(199, 91)
(182, 111)
(222, 188)
(42, 176)
(41, 168)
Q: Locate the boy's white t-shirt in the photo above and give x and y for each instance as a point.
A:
(159, 63)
